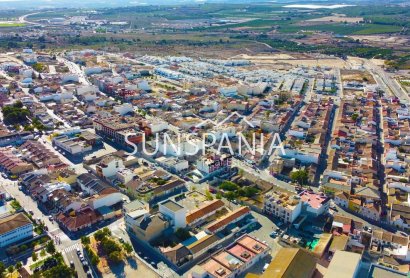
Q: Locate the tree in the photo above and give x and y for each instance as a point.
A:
(85, 240)
(128, 247)
(99, 235)
(60, 270)
(10, 269)
(115, 256)
(230, 196)
(109, 245)
(2, 269)
(228, 186)
(50, 247)
(34, 256)
(95, 259)
(355, 116)
(42, 253)
(182, 234)
(19, 265)
(106, 231)
(300, 176)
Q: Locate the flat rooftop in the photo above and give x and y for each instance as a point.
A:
(171, 205)
(344, 264)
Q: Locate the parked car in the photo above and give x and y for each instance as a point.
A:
(273, 234)
(72, 264)
(85, 265)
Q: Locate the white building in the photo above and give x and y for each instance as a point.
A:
(178, 147)
(143, 85)
(71, 145)
(70, 78)
(305, 157)
(228, 91)
(124, 108)
(283, 206)
(158, 126)
(109, 166)
(175, 212)
(106, 198)
(125, 175)
(14, 228)
(316, 204)
(173, 163)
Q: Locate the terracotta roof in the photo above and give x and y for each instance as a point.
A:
(80, 220)
(230, 217)
(13, 222)
(204, 210)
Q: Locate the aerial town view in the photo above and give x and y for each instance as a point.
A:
(205, 139)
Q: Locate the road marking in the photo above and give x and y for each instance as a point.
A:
(72, 247)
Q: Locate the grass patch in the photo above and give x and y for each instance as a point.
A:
(12, 24)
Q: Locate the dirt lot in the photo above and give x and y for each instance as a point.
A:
(382, 39)
(357, 75)
(285, 60)
(336, 18)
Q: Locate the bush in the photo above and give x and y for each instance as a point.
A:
(34, 256)
(208, 195)
(15, 205)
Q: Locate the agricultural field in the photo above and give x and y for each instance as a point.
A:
(12, 24)
(225, 30)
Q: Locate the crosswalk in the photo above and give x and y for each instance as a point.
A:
(72, 247)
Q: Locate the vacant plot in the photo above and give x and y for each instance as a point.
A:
(343, 28)
(336, 19)
(357, 75)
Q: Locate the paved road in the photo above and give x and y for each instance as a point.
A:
(387, 81)
(71, 255)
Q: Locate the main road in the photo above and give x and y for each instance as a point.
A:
(385, 80)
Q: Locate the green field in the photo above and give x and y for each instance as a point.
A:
(12, 24)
